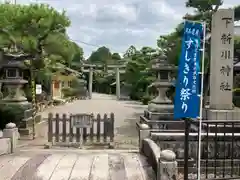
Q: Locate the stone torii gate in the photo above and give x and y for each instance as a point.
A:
(90, 68)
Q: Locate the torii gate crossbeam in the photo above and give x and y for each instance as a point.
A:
(90, 69)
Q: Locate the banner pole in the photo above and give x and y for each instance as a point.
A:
(201, 104)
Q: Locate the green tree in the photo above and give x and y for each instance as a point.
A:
(204, 10)
(78, 56)
(77, 59)
(101, 56)
(137, 76)
(171, 44)
(237, 46)
(116, 57)
(147, 50)
(38, 29)
(130, 51)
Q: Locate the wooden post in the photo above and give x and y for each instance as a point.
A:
(105, 127)
(84, 131)
(98, 127)
(78, 135)
(92, 131)
(64, 127)
(50, 127)
(70, 131)
(112, 127)
(57, 128)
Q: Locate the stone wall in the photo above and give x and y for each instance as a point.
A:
(211, 145)
(223, 150)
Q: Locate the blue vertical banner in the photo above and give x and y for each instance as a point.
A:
(187, 99)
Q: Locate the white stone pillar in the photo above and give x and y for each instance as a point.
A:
(144, 132)
(118, 83)
(11, 131)
(167, 166)
(90, 82)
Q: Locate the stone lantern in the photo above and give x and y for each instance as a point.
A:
(82, 88)
(13, 66)
(161, 107)
(163, 82)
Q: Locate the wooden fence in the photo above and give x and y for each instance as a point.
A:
(62, 130)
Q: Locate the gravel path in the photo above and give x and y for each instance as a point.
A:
(126, 115)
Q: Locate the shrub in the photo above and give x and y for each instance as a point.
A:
(77, 89)
(68, 92)
(136, 95)
(11, 113)
(57, 101)
(236, 97)
(145, 99)
(72, 92)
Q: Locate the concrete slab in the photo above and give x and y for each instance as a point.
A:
(64, 168)
(46, 169)
(133, 167)
(11, 166)
(82, 167)
(99, 169)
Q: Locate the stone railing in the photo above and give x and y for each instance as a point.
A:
(163, 162)
(9, 138)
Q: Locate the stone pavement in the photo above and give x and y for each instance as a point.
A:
(126, 115)
(64, 164)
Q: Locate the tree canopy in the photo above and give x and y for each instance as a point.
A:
(40, 30)
(103, 55)
(138, 74)
(203, 10)
(116, 57)
(37, 28)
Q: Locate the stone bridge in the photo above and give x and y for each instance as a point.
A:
(64, 164)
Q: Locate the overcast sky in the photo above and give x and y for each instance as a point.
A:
(118, 24)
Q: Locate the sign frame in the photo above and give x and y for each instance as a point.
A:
(83, 120)
(38, 89)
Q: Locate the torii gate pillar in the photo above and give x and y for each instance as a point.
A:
(118, 83)
(90, 82)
